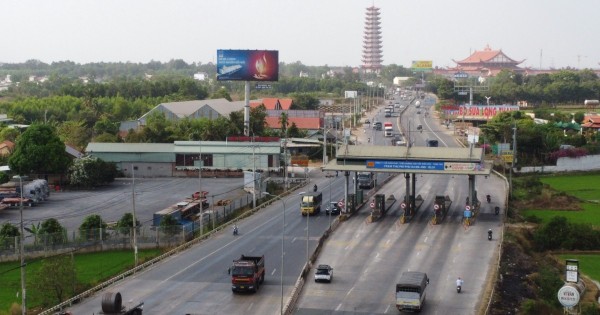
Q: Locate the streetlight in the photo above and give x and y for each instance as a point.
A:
(282, 244)
(135, 248)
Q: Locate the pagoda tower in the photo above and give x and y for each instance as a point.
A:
(372, 53)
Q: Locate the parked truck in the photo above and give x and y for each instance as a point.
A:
(440, 208)
(247, 273)
(366, 180)
(410, 291)
(311, 203)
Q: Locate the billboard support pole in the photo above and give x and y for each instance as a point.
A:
(247, 109)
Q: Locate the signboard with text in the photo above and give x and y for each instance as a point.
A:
(247, 65)
(476, 112)
(421, 65)
(423, 165)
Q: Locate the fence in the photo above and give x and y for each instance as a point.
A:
(147, 236)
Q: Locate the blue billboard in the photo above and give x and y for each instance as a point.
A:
(406, 165)
(247, 65)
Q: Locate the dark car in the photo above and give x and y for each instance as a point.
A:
(333, 209)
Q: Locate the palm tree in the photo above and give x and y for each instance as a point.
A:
(283, 121)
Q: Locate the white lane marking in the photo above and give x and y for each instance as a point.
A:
(273, 272)
(338, 307)
(377, 255)
(293, 240)
(425, 241)
(387, 309)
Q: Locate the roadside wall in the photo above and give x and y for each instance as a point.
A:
(566, 164)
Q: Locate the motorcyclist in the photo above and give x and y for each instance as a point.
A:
(489, 198)
(459, 282)
(235, 229)
(490, 234)
(315, 187)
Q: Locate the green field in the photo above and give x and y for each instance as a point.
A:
(584, 187)
(588, 264)
(92, 268)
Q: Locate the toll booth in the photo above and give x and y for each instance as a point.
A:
(379, 210)
(351, 206)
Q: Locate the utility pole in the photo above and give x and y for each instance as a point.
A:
(135, 249)
(22, 254)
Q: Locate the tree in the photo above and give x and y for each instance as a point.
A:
(169, 225)
(39, 150)
(51, 231)
(221, 93)
(8, 232)
(125, 224)
(283, 122)
(35, 231)
(91, 227)
(56, 280)
(90, 171)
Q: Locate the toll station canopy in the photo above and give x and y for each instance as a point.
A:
(401, 159)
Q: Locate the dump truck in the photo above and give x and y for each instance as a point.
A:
(112, 304)
(311, 203)
(441, 206)
(247, 273)
(410, 291)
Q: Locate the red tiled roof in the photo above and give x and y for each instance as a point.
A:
(286, 103)
(486, 55)
(270, 103)
(301, 122)
(254, 104)
(592, 121)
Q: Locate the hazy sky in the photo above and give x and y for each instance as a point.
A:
(553, 33)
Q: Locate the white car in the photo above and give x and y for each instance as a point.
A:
(324, 273)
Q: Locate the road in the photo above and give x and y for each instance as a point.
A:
(368, 258)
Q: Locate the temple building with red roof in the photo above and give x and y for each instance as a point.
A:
(483, 63)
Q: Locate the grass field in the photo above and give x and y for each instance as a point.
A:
(584, 187)
(92, 268)
(588, 264)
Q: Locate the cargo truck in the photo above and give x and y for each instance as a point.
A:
(388, 129)
(366, 180)
(440, 208)
(112, 303)
(410, 291)
(311, 203)
(247, 273)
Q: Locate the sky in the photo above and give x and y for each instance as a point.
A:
(543, 33)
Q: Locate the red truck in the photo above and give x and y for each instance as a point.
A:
(247, 273)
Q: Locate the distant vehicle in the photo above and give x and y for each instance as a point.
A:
(247, 273)
(387, 114)
(367, 122)
(333, 209)
(398, 141)
(377, 125)
(311, 203)
(410, 291)
(366, 180)
(324, 273)
(419, 112)
(418, 104)
(388, 129)
(431, 143)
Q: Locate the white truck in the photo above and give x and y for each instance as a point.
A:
(388, 129)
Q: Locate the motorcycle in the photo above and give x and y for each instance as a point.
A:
(489, 198)
(489, 235)
(459, 284)
(235, 231)
(496, 210)
(315, 188)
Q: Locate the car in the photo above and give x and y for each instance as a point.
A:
(333, 209)
(324, 273)
(387, 114)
